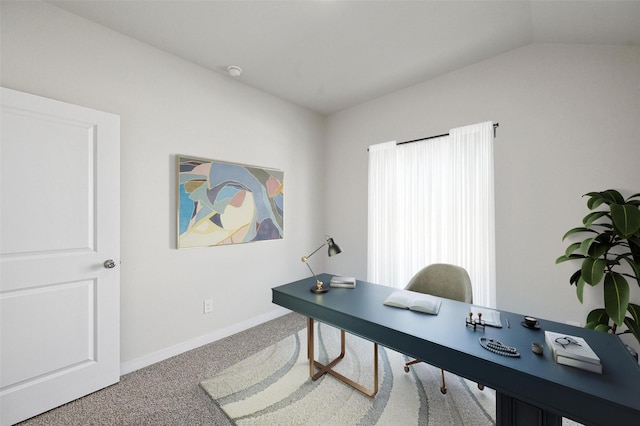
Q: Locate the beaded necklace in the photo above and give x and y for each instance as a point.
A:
(499, 348)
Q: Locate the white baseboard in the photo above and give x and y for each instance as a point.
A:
(145, 361)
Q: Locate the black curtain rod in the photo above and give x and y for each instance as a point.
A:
(495, 125)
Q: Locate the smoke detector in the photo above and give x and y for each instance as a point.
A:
(234, 71)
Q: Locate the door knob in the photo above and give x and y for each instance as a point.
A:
(109, 264)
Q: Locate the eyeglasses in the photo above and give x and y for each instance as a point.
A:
(566, 341)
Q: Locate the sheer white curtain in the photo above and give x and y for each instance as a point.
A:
(432, 202)
(382, 212)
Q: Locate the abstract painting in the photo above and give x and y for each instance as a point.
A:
(227, 203)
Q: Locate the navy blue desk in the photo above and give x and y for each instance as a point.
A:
(532, 389)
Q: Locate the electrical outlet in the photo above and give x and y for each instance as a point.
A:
(208, 306)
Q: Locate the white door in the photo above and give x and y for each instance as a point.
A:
(59, 223)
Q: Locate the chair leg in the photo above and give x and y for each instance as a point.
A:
(406, 366)
(443, 388)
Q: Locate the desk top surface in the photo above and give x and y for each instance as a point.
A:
(444, 341)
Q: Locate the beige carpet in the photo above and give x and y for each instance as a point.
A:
(273, 387)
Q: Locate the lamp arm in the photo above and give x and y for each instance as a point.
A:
(313, 273)
(304, 258)
(305, 261)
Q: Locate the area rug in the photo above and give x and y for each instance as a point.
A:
(272, 387)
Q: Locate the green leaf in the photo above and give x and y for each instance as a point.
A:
(595, 200)
(584, 246)
(602, 327)
(634, 310)
(616, 296)
(634, 266)
(570, 257)
(609, 196)
(634, 247)
(625, 218)
(605, 237)
(580, 289)
(575, 277)
(572, 247)
(592, 217)
(633, 323)
(576, 230)
(604, 225)
(598, 316)
(598, 320)
(633, 327)
(593, 270)
(598, 250)
(613, 196)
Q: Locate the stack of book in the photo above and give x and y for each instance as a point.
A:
(573, 351)
(344, 282)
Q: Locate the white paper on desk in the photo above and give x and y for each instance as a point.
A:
(489, 316)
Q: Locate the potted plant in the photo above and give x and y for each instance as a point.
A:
(610, 252)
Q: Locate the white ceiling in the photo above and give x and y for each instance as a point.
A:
(330, 55)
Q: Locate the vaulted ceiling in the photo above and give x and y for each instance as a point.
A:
(330, 55)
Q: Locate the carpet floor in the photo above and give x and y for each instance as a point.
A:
(169, 392)
(273, 387)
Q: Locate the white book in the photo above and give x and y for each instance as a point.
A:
(580, 350)
(489, 316)
(595, 368)
(414, 301)
(344, 282)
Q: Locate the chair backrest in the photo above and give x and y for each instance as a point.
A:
(443, 280)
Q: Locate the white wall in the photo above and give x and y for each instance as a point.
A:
(168, 107)
(569, 124)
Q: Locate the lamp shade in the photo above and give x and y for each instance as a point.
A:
(333, 247)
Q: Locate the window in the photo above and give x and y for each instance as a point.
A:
(432, 201)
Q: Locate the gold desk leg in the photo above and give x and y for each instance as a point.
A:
(328, 369)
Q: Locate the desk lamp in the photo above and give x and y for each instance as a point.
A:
(333, 249)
